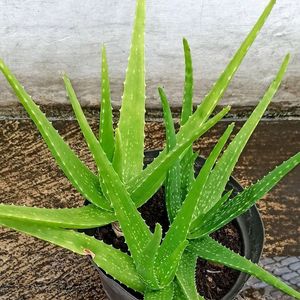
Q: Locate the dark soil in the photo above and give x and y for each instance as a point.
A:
(213, 281)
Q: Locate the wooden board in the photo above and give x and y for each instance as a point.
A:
(32, 269)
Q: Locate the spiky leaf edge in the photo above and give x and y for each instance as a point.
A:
(209, 249)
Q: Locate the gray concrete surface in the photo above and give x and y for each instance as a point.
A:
(39, 39)
(287, 268)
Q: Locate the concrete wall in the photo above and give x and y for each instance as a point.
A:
(39, 39)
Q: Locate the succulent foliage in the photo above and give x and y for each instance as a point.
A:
(159, 268)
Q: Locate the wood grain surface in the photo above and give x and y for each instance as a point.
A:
(32, 269)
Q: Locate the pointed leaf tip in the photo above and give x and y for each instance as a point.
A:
(173, 178)
(209, 249)
(106, 129)
(132, 113)
(213, 97)
(71, 165)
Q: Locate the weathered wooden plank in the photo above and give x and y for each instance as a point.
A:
(31, 269)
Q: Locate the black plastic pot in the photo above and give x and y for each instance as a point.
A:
(252, 234)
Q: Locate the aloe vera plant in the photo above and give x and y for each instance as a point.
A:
(158, 268)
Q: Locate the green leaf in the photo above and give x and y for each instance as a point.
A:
(187, 177)
(132, 113)
(114, 262)
(219, 177)
(186, 275)
(173, 180)
(218, 205)
(84, 217)
(166, 267)
(106, 129)
(79, 175)
(118, 159)
(205, 109)
(189, 163)
(88, 134)
(211, 100)
(93, 192)
(179, 229)
(203, 176)
(163, 294)
(145, 264)
(194, 233)
(243, 201)
(187, 166)
(151, 178)
(178, 292)
(211, 250)
(187, 105)
(136, 232)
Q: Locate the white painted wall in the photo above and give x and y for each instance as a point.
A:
(39, 39)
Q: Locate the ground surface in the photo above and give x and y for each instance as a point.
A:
(32, 269)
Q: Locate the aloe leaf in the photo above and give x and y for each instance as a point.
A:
(85, 217)
(219, 177)
(116, 263)
(178, 292)
(163, 294)
(203, 176)
(187, 105)
(79, 175)
(166, 268)
(194, 233)
(211, 250)
(90, 138)
(191, 161)
(145, 264)
(197, 119)
(205, 109)
(211, 100)
(132, 113)
(136, 232)
(187, 177)
(173, 178)
(188, 172)
(143, 187)
(219, 204)
(179, 229)
(243, 201)
(117, 159)
(186, 274)
(106, 129)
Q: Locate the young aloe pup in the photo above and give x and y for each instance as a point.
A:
(158, 268)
